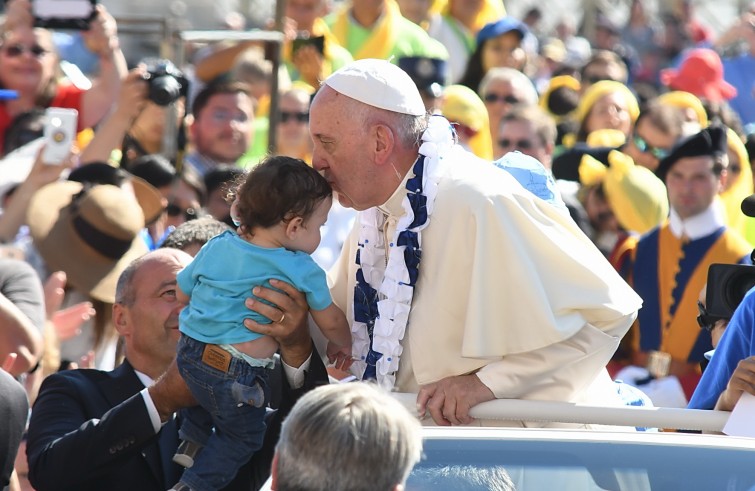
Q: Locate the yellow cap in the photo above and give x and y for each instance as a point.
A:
(636, 196)
(462, 105)
(557, 83)
(600, 89)
(685, 100)
(741, 188)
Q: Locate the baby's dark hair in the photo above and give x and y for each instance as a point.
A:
(279, 189)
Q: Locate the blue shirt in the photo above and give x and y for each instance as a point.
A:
(222, 276)
(736, 344)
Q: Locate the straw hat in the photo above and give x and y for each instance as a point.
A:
(91, 233)
(148, 196)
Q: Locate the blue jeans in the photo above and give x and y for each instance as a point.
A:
(233, 402)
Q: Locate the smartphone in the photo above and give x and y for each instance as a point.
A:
(59, 134)
(63, 14)
(318, 42)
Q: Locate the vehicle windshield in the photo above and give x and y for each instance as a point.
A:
(507, 465)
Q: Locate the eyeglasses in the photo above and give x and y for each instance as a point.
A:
(298, 117)
(509, 99)
(174, 210)
(704, 319)
(15, 50)
(520, 144)
(645, 147)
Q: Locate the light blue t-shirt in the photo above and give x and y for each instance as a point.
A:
(221, 278)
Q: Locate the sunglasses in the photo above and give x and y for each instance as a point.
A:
(15, 50)
(509, 99)
(174, 210)
(645, 147)
(704, 319)
(298, 117)
(520, 144)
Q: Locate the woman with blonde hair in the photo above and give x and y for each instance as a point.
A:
(29, 65)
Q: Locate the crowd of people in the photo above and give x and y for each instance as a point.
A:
(503, 212)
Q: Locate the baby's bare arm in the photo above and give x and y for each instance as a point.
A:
(333, 324)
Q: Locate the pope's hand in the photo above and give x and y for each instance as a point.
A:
(450, 399)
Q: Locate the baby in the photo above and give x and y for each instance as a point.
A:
(279, 210)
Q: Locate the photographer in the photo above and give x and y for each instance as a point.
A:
(731, 370)
(29, 65)
(137, 125)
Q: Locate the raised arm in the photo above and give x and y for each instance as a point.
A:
(102, 39)
(110, 134)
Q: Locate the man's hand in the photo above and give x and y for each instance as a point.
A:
(742, 380)
(289, 320)
(309, 62)
(133, 95)
(67, 322)
(449, 400)
(102, 36)
(170, 393)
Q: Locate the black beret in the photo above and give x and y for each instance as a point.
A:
(710, 141)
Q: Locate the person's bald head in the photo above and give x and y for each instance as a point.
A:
(146, 309)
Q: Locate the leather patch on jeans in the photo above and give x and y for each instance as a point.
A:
(216, 357)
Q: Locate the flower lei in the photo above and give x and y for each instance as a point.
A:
(382, 301)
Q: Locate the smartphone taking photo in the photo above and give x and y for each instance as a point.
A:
(318, 42)
(63, 14)
(59, 133)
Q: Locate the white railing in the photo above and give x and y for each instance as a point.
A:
(563, 412)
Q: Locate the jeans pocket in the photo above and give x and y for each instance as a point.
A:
(253, 395)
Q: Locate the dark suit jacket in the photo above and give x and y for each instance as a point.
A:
(90, 430)
(14, 408)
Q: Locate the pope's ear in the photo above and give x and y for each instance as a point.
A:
(384, 142)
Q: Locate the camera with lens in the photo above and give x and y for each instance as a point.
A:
(727, 286)
(166, 82)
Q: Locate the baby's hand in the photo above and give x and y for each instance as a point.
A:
(340, 356)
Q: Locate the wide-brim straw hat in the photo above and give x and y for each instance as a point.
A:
(147, 195)
(90, 232)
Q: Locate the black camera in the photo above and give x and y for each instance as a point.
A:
(727, 286)
(166, 82)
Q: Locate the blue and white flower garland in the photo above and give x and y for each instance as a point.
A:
(382, 301)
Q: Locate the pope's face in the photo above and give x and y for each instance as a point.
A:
(342, 142)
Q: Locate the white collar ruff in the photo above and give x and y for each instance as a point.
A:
(383, 300)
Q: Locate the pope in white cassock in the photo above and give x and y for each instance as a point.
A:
(460, 284)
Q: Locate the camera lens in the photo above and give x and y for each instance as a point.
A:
(164, 89)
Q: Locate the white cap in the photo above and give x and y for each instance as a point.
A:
(380, 84)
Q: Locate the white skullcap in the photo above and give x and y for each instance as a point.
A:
(380, 84)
